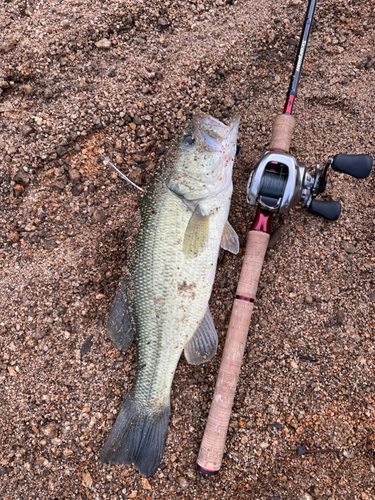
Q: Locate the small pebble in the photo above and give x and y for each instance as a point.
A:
(22, 178)
(183, 482)
(104, 44)
(341, 317)
(306, 496)
(348, 247)
(74, 176)
(163, 22)
(87, 480)
(77, 189)
(229, 102)
(308, 299)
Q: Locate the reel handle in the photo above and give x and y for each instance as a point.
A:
(330, 210)
(213, 442)
(358, 166)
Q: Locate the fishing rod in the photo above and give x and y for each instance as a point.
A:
(277, 183)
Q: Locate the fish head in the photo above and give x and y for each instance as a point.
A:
(203, 157)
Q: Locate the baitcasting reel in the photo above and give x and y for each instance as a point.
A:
(279, 182)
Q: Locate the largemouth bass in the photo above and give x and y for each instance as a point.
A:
(184, 221)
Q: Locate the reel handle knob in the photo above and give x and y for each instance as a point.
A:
(358, 166)
(330, 210)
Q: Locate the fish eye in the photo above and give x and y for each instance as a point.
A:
(189, 140)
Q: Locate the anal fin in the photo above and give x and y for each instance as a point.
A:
(203, 346)
(120, 326)
(229, 239)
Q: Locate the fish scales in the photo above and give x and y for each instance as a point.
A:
(184, 221)
(171, 291)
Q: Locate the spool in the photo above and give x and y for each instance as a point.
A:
(273, 184)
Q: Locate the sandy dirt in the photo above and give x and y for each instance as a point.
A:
(79, 79)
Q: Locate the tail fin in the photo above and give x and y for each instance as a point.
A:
(138, 436)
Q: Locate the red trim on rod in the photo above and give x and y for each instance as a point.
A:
(288, 108)
(246, 299)
(262, 221)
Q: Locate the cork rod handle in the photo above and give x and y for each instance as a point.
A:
(282, 131)
(212, 447)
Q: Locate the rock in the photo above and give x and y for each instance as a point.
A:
(26, 130)
(65, 24)
(4, 84)
(29, 228)
(104, 44)
(139, 158)
(348, 247)
(67, 452)
(150, 165)
(12, 372)
(22, 178)
(136, 176)
(145, 483)
(77, 189)
(183, 482)
(13, 237)
(163, 22)
(341, 317)
(8, 45)
(159, 150)
(308, 299)
(50, 243)
(60, 183)
(18, 190)
(48, 93)
(306, 496)
(61, 151)
(99, 216)
(50, 430)
(229, 102)
(137, 120)
(133, 126)
(221, 71)
(74, 176)
(87, 480)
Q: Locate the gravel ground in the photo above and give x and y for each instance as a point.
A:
(79, 79)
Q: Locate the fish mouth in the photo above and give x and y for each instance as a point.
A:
(214, 134)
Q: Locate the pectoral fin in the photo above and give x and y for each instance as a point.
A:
(229, 239)
(120, 325)
(196, 234)
(203, 346)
